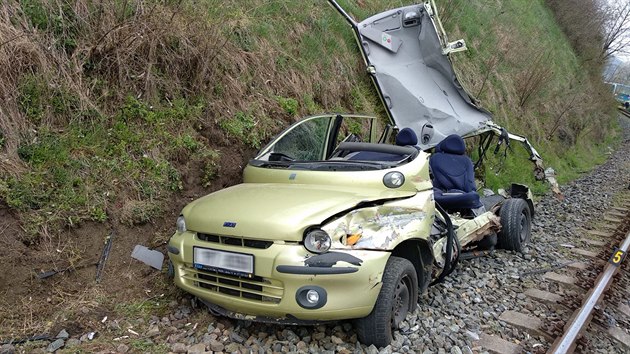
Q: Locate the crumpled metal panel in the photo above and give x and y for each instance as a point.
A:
(383, 227)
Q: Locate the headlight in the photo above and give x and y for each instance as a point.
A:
(181, 224)
(317, 241)
(394, 179)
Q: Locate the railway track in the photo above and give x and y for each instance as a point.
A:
(587, 296)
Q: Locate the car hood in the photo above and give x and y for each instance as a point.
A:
(274, 211)
(406, 52)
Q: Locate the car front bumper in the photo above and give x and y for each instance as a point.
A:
(280, 273)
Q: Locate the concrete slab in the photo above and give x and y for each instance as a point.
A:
(620, 335)
(612, 219)
(543, 296)
(526, 322)
(600, 233)
(498, 345)
(578, 265)
(585, 253)
(559, 278)
(625, 309)
(592, 242)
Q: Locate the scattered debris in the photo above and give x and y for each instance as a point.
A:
(550, 176)
(104, 319)
(88, 336)
(63, 334)
(56, 345)
(34, 338)
(50, 273)
(567, 245)
(149, 257)
(104, 256)
(132, 331)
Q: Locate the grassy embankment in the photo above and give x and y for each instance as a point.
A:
(113, 111)
(109, 117)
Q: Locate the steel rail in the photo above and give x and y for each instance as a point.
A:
(582, 318)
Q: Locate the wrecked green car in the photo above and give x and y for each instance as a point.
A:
(351, 217)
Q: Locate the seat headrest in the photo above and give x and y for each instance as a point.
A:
(406, 137)
(452, 144)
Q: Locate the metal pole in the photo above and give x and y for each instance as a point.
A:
(578, 323)
(343, 12)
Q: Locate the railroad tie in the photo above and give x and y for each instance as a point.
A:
(559, 278)
(531, 324)
(584, 252)
(612, 219)
(592, 242)
(498, 345)
(620, 335)
(615, 213)
(578, 265)
(599, 233)
(543, 296)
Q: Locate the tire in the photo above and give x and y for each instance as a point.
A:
(398, 297)
(516, 225)
(170, 270)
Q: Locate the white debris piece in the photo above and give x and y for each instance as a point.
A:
(147, 256)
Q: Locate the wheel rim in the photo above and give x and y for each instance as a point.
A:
(400, 306)
(524, 228)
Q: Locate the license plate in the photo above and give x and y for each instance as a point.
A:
(224, 262)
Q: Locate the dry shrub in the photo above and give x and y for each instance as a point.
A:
(96, 53)
(532, 79)
(150, 49)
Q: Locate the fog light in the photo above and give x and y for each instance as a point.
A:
(311, 297)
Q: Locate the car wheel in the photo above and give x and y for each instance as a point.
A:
(398, 296)
(516, 225)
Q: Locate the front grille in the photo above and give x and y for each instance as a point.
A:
(255, 288)
(235, 241)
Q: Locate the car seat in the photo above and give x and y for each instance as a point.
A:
(453, 175)
(405, 137)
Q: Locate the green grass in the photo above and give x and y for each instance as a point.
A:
(143, 309)
(80, 173)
